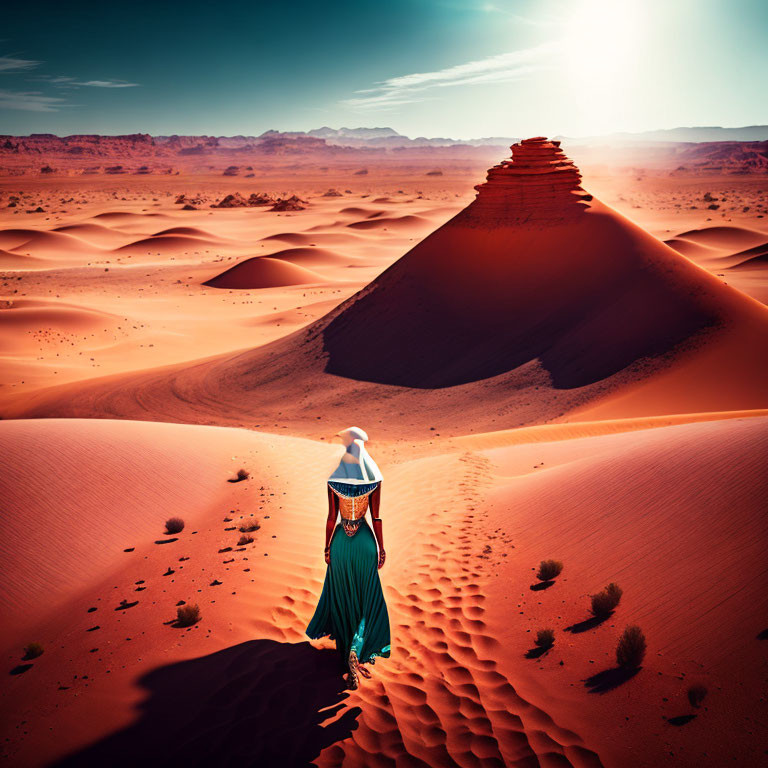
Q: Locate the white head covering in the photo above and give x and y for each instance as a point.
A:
(356, 465)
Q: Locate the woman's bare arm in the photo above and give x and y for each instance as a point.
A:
(330, 523)
(377, 526)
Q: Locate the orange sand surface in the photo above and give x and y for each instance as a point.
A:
(584, 382)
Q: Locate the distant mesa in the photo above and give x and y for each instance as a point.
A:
(689, 150)
(264, 272)
(434, 173)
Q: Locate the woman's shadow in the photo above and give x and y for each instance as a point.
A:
(261, 703)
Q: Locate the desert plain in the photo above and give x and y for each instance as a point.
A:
(581, 379)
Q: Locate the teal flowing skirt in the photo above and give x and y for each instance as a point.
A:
(352, 610)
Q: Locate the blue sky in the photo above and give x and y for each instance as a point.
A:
(455, 68)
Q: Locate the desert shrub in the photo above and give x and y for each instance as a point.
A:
(604, 602)
(243, 540)
(33, 650)
(696, 695)
(248, 526)
(630, 650)
(187, 615)
(549, 569)
(545, 638)
(174, 525)
(243, 474)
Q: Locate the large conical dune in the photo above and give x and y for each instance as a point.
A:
(533, 270)
(533, 303)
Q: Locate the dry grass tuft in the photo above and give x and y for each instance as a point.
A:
(32, 651)
(242, 474)
(174, 525)
(187, 615)
(243, 540)
(604, 602)
(630, 650)
(549, 569)
(545, 638)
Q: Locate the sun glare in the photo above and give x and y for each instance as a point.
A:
(600, 44)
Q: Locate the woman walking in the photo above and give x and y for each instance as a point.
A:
(351, 609)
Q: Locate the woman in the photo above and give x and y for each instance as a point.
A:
(352, 610)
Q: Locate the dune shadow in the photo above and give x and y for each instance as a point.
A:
(609, 679)
(763, 635)
(587, 624)
(542, 585)
(258, 703)
(461, 308)
(681, 719)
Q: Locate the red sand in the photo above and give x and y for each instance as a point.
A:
(535, 304)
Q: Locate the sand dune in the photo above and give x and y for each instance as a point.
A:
(725, 238)
(97, 233)
(310, 256)
(479, 317)
(463, 339)
(751, 258)
(263, 272)
(129, 488)
(398, 222)
(294, 238)
(721, 247)
(15, 261)
(722, 251)
(457, 586)
(541, 378)
(692, 249)
(168, 244)
(190, 231)
(441, 665)
(39, 243)
(354, 210)
(24, 320)
(89, 272)
(125, 216)
(676, 517)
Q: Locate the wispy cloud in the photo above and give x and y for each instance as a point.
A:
(64, 82)
(107, 84)
(30, 101)
(12, 64)
(504, 67)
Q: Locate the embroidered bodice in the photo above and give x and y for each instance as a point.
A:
(354, 499)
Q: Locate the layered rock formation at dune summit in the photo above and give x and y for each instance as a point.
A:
(538, 184)
(534, 302)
